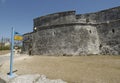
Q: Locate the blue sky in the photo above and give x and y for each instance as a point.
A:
(20, 13)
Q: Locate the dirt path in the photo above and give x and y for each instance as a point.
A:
(83, 69)
(4, 52)
(5, 59)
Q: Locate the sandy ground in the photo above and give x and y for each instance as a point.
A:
(4, 52)
(79, 69)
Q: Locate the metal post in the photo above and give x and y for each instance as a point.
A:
(2, 43)
(11, 56)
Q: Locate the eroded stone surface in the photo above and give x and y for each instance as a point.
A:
(34, 79)
(66, 33)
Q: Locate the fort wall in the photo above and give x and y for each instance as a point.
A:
(109, 36)
(56, 18)
(68, 33)
(103, 16)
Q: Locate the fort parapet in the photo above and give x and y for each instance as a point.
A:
(68, 33)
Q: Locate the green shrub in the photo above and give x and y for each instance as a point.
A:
(5, 48)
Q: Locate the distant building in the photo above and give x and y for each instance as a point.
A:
(7, 44)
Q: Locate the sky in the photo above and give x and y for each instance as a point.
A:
(19, 14)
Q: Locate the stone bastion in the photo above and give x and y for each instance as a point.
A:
(68, 33)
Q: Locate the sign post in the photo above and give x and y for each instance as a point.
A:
(12, 54)
(14, 36)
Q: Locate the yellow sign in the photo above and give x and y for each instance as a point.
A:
(17, 37)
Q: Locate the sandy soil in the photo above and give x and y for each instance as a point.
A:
(79, 69)
(4, 52)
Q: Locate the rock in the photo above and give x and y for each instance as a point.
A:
(2, 81)
(34, 79)
(4, 78)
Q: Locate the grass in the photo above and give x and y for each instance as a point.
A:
(79, 69)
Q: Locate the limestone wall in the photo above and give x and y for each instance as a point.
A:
(66, 33)
(109, 35)
(70, 40)
(87, 18)
(112, 14)
(27, 42)
(56, 18)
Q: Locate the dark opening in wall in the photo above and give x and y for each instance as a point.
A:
(100, 46)
(113, 30)
(90, 31)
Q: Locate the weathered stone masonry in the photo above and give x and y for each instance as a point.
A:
(66, 33)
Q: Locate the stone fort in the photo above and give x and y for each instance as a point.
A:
(68, 33)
